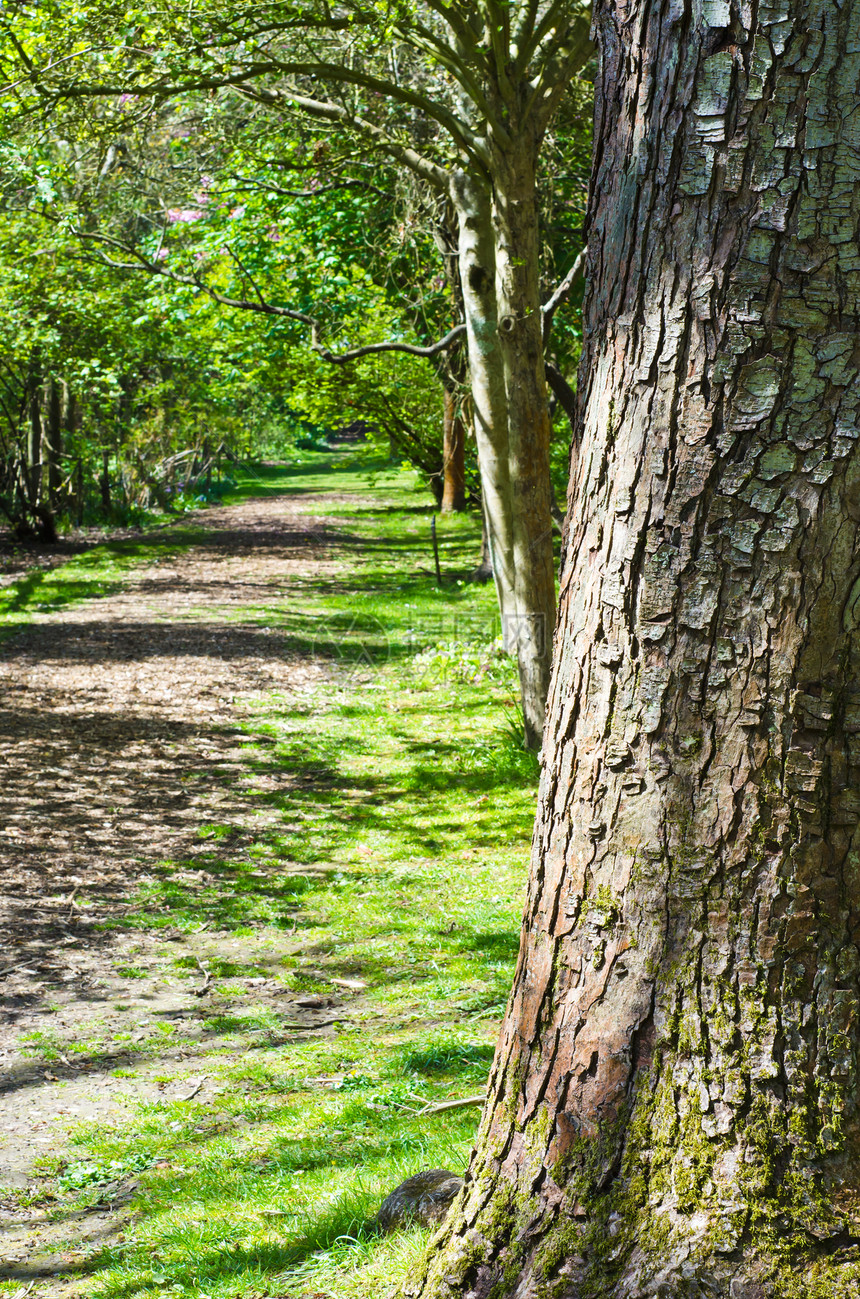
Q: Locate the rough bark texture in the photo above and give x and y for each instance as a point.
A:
(674, 1102)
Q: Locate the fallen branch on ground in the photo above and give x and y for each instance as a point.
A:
(452, 1105)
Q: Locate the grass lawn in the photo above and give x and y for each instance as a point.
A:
(390, 881)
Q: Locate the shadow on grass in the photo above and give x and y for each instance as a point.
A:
(446, 1054)
(496, 945)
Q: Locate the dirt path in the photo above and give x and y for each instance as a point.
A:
(121, 744)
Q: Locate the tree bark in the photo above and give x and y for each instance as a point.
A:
(673, 1107)
(472, 203)
(521, 344)
(104, 479)
(454, 456)
(484, 571)
(498, 271)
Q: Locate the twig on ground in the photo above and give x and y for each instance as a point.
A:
(10, 969)
(194, 1090)
(453, 1105)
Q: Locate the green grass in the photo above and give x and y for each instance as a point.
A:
(397, 859)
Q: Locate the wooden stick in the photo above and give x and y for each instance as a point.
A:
(453, 1105)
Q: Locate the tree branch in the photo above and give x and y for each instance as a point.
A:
(333, 72)
(562, 391)
(340, 358)
(442, 1106)
(240, 184)
(430, 171)
(261, 306)
(144, 263)
(563, 56)
(559, 294)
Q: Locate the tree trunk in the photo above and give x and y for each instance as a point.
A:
(521, 339)
(674, 1102)
(34, 451)
(502, 310)
(489, 400)
(484, 571)
(104, 479)
(53, 429)
(454, 456)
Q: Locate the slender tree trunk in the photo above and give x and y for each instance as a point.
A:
(79, 493)
(489, 399)
(53, 441)
(34, 450)
(454, 456)
(104, 480)
(521, 344)
(502, 309)
(674, 1102)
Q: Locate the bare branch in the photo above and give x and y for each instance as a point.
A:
(559, 294)
(243, 268)
(561, 390)
(459, 131)
(144, 263)
(423, 39)
(524, 30)
(335, 73)
(552, 29)
(244, 183)
(372, 349)
(261, 306)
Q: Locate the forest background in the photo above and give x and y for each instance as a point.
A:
(186, 279)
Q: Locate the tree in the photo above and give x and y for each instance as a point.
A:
(475, 87)
(154, 368)
(674, 1100)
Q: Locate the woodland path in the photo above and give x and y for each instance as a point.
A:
(121, 742)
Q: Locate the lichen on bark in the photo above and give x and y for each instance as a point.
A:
(674, 1102)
